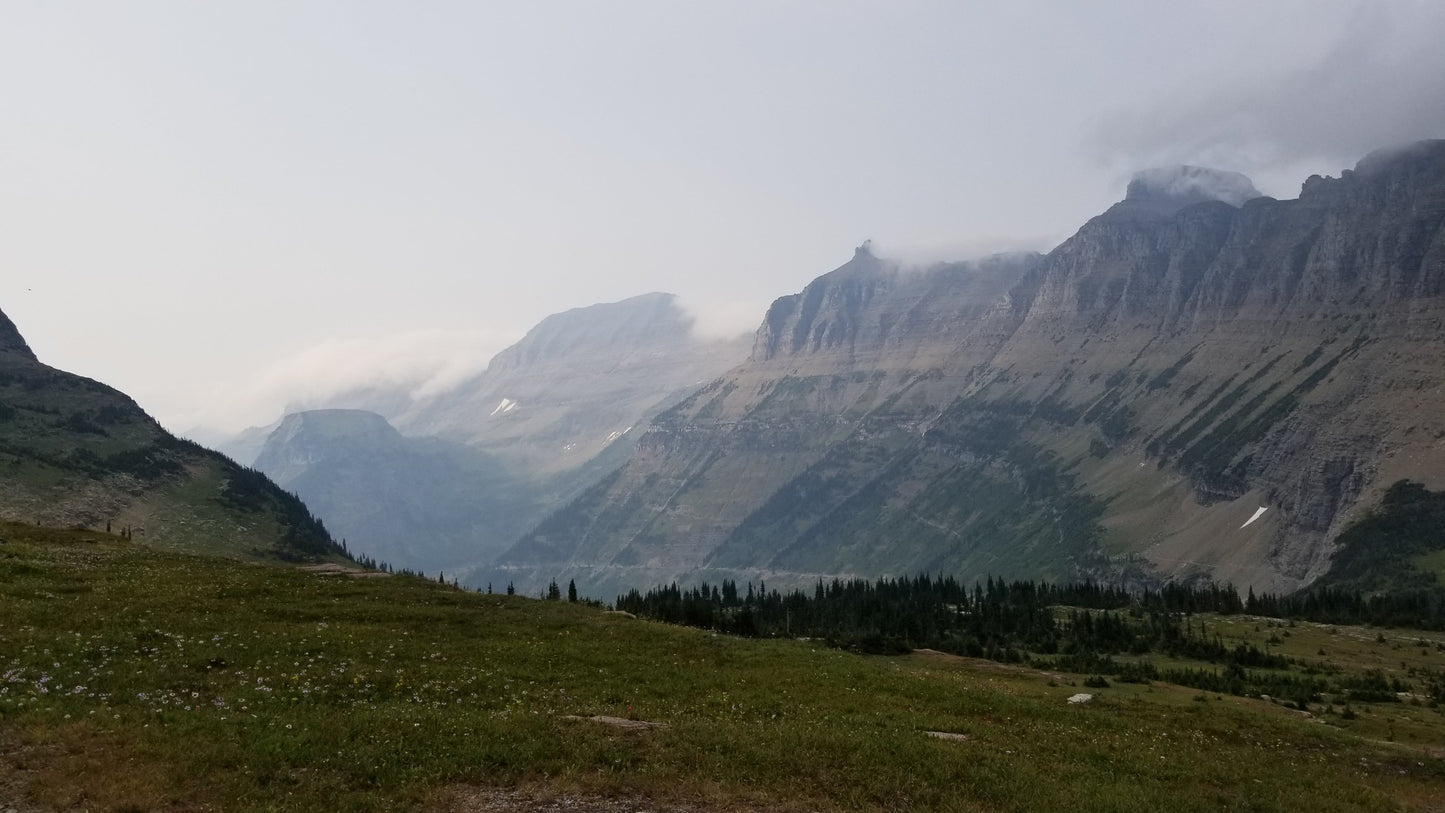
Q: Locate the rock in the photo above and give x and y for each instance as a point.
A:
(1080, 698)
(947, 735)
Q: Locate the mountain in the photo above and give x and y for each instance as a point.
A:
(451, 481)
(420, 502)
(1201, 382)
(577, 384)
(74, 452)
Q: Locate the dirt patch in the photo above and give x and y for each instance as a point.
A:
(989, 666)
(541, 800)
(536, 798)
(331, 569)
(73, 767)
(618, 722)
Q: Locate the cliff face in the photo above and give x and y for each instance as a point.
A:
(1123, 407)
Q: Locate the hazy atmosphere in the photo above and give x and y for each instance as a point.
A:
(225, 208)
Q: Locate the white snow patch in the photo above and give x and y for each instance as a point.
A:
(1258, 512)
(503, 408)
(1081, 697)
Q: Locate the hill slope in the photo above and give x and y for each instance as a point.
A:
(1123, 407)
(74, 452)
(186, 683)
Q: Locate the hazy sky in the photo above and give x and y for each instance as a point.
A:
(223, 207)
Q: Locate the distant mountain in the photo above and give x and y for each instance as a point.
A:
(450, 482)
(578, 383)
(1200, 382)
(419, 502)
(74, 452)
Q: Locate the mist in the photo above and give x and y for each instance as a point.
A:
(361, 372)
(1381, 82)
(723, 320)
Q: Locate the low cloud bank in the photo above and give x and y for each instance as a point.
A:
(725, 320)
(381, 373)
(1380, 84)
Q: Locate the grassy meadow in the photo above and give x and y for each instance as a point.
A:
(132, 679)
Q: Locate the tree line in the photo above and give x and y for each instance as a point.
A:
(1084, 628)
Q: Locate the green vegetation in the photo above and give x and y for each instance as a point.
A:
(1103, 631)
(1395, 548)
(79, 453)
(135, 679)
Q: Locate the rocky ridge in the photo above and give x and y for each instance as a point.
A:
(1123, 407)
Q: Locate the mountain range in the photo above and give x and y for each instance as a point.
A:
(1201, 383)
(450, 480)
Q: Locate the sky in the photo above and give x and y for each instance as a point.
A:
(226, 208)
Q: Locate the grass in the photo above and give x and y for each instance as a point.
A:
(132, 679)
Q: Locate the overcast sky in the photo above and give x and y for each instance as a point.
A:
(221, 208)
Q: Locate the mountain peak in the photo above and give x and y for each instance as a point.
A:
(11, 342)
(1178, 186)
(639, 323)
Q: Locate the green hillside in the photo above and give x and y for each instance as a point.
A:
(136, 679)
(77, 453)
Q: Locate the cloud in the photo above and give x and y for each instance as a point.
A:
(723, 320)
(920, 256)
(382, 373)
(1381, 84)
(1193, 182)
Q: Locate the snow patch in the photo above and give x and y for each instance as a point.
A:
(503, 408)
(1258, 512)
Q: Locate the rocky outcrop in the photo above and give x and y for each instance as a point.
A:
(11, 342)
(1122, 407)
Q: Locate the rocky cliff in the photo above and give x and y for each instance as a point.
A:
(1201, 381)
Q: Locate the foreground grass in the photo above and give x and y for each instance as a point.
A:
(135, 680)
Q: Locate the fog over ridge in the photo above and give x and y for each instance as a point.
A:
(1381, 82)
